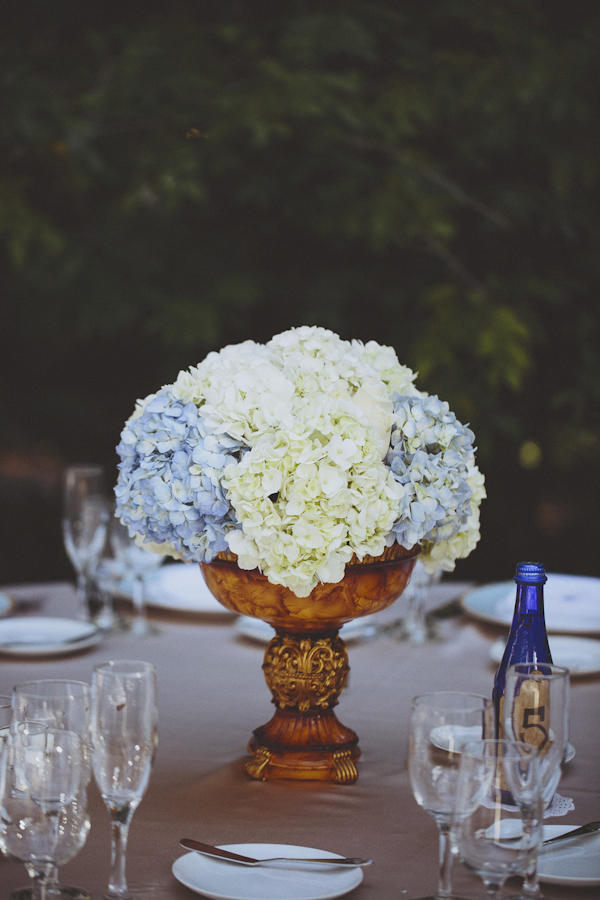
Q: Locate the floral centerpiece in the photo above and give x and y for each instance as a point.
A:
(304, 475)
(297, 455)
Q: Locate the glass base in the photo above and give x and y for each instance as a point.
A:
(437, 897)
(53, 892)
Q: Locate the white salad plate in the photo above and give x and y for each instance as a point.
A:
(571, 603)
(257, 630)
(452, 738)
(223, 880)
(575, 862)
(179, 587)
(580, 655)
(46, 636)
(6, 603)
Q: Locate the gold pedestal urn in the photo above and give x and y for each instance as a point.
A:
(306, 663)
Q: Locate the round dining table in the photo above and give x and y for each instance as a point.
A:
(212, 695)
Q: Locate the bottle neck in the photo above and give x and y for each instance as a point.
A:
(530, 599)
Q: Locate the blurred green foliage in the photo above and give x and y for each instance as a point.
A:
(178, 176)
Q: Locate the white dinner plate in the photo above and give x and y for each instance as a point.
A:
(179, 587)
(454, 737)
(46, 636)
(571, 603)
(260, 631)
(580, 655)
(229, 881)
(6, 603)
(575, 862)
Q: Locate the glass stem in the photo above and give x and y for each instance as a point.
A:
(82, 597)
(140, 625)
(120, 817)
(416, 625)
(445, 880)
(40, 883)
(493, 889)
(531, 885)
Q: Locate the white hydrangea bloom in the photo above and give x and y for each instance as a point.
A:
(306, 503)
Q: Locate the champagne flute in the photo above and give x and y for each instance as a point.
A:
(536, 710)
(85, 525)
(42, 775)
(124, 739)
(489, 837)
(65, 705)
(441, 723)
(139, 562)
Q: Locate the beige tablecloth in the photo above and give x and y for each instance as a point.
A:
(212, 695)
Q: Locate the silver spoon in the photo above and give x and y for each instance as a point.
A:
(207, 850)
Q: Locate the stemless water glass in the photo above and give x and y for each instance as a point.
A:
(441, 723)
(137, 562)
(65, 705)
(124, 738)
(42, 775)
(536, 710)
(85, 524)
(491, 838)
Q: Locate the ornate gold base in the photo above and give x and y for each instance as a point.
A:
(305, 739)
(335, 765)
(306, 664)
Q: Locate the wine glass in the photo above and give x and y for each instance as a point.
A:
(85, 525)
(124, 739)
(441, 723)
(489, 837)
(536, 710)
(414, 628)
(65, 705)
(42, 775)
(139, 562)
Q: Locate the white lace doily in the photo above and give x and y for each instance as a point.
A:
(560, 806)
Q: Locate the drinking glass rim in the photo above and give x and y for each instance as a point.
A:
(137, 668)
(537, 674)
(84, 467)
(421, 700)
(23, 685)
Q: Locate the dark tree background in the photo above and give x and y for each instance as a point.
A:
(178, 176)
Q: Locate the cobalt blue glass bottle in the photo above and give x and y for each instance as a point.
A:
(528, 639)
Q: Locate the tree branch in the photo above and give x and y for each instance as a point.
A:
(437, 178)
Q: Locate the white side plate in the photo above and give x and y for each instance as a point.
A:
(575, 862)
(222, 880)
(179, 587)
(580, 655)
(46, 636)
(571, 603)
(452, 738)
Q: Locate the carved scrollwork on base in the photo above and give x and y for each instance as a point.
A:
(258, 765)
(345, 770)
(305, 672)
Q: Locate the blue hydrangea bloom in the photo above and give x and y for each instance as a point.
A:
(429, 455)
(169, 484)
